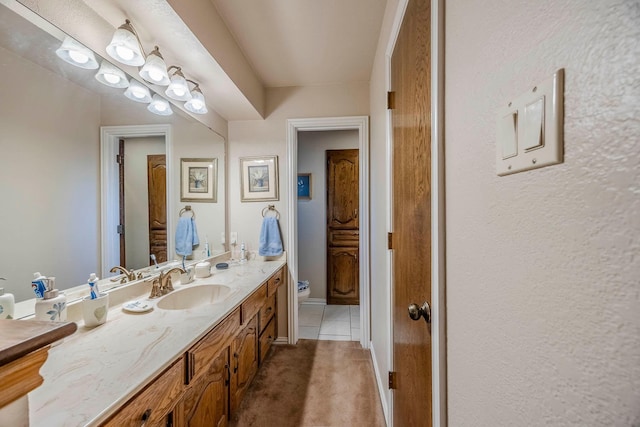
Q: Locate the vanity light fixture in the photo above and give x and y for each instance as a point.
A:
(125, 46)
(154, 69)
(196, 104)
(76, 54)
(160, 106)
(178, 88)
(138, 92)
(112, 76)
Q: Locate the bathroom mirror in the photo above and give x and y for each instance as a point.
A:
(53, 117)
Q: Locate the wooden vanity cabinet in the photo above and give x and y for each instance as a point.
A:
(155, 405)
(208, 376)
(206, 385)
(245, 361)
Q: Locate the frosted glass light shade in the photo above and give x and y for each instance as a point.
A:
(112, 76)
(196, 104)
(159, 106)
(154, 69)
(138, 92)
(178, 88)
(76, 54)
(125, 47)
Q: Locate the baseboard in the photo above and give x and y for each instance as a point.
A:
(316, 301)
(281, 340)
(381, 384)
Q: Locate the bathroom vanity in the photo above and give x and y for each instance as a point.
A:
(166, 367)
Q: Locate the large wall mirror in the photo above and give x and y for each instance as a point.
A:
(53, 117)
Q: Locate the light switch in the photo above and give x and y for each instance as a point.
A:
(530, 128)
(533, 132)
(507, 134)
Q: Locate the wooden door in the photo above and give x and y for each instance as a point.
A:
(411, 239)
(343, 284)
(157, 191)
(245, 361)
(206, 402)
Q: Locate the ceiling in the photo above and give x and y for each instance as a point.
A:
(235, 49)
(305, 42)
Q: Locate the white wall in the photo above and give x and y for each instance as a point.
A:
(49, 172)
(542, 267)
(136, 194)
(312, 214)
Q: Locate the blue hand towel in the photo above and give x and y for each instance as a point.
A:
(186, 236)
(270, 241)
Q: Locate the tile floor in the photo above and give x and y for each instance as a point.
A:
(329, 322)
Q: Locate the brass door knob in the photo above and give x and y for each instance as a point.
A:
(416, 312)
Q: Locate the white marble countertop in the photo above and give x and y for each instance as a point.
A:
(95, 371)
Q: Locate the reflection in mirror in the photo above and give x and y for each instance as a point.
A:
(51, 116)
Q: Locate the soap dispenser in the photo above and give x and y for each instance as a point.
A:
(7, 304)
(53, 305)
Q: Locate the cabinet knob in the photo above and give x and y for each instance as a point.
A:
(145, 417)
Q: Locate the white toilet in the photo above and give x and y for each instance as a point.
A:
(304, 290)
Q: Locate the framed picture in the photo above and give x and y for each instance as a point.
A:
(259, 178)
(198, 180)
(304, 186)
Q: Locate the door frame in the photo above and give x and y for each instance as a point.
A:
(109, 216)
(361, 124)
(438, 300)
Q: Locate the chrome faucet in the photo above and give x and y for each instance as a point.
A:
(162, 285)
(127, 276)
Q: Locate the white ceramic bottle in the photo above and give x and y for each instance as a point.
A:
(53, 307)
(7, 305)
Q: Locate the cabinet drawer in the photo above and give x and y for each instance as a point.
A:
(253, 304)
(276, 280)
(344, 238)
(202, 355)
(266, 312)
(266, 339)
(155, 402)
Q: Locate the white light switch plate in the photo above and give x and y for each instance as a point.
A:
(536, 139)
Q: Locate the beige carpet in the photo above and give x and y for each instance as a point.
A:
(314, 383)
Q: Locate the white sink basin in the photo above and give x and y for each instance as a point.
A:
(194, 296)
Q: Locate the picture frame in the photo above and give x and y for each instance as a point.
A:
(199, 180)
(304, 186)
(259, 178)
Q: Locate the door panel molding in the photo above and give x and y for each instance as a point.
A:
(438, 327)
(361, 124)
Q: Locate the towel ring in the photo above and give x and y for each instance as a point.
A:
(187, 209)
(266, 210)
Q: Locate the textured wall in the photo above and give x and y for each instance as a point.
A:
(543, 267)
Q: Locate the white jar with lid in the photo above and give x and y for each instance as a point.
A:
(203, 269)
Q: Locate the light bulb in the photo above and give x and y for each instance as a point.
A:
(197, 104)
(155, 75)
(79, 57)
(124, 53)
(137, 93)
(160, 106)
(179, 91)
(111, 78)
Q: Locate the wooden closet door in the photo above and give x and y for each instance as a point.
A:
(157, 187)
(343, 285)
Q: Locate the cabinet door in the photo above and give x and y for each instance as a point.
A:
(245, 361)
(206, 402)
(154, 405)
(343, 276)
